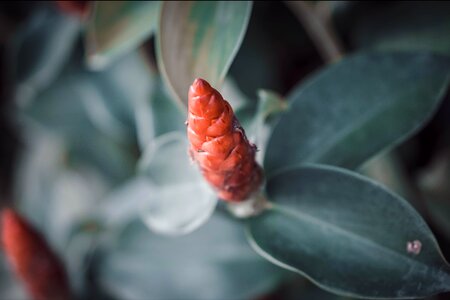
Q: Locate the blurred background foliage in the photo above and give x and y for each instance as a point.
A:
(72, 138)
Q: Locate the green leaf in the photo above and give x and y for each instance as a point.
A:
(181, 200)
(157, 114)
(40, 49)
(117, 27)
(352, 110)
(10, 287)
(166, 114)
(349, 235)
(61, 109)
(246, 115)
(269, 106)
(214, 262)
(199, 39)
(166, 160)
(270, 103)
(405, 26)
(110, 96)
(54, 197)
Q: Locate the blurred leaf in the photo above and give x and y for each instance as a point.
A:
(348, 235)
(94, 113)
(52, 195)
(117, 27)
(10, 286)
(119, 87)
(40, 49)
(169, 193)
(179, 209)
(246, 114)
(106, 98)
(199, 39)
(166, 160)
(62, 109)
(352, 110)
(214, 262)
(115, 211)
(55, 198)
(157, 115)
(243, 107)
(74, 195)
(231, 92)
(114, 161)
(78, 9)
(167, 114)
(77, 255)
(415, 26)
(270, 105)
(181, 200)
(37, 169)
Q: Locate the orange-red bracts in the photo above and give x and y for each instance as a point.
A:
(32, 260)
(219, 145)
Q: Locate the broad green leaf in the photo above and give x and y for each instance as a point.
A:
(181, 200)
(352, 110)
(214, 262)
(199, 39)
(404, 26)
(349, 235)
(117, 27)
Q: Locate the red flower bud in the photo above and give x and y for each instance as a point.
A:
(32, 260)
(219, 145)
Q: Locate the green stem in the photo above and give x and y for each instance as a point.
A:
(319, 28)
(253, 206)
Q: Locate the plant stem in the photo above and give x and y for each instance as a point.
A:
(319, 28)
(253, 206)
